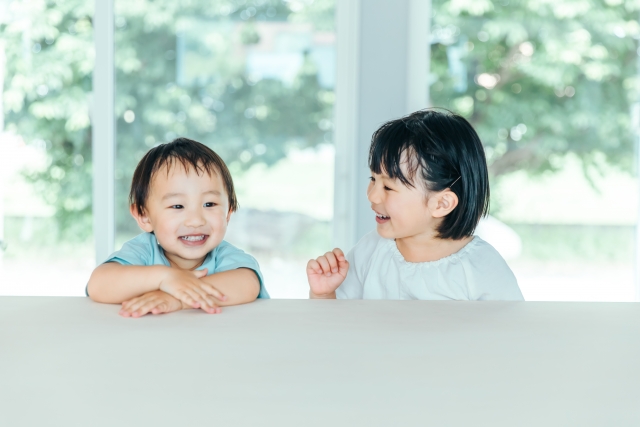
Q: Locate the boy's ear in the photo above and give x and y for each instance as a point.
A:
(443, 203)
(142, 220)
(229, 215)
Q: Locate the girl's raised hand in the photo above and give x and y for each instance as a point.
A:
(326, 273)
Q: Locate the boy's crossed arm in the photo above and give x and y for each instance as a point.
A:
(158, 289)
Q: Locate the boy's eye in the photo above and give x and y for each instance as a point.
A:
(372, 179)
(209, 205)
(177, 207)
(387, 188)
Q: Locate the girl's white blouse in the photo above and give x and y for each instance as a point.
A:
(377, 270)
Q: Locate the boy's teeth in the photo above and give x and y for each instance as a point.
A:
(381, 216)
(193, 238)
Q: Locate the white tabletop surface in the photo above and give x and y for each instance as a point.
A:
(73, 362)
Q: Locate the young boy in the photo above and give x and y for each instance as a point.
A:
(182, 196)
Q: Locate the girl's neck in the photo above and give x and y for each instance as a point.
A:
(428, 247)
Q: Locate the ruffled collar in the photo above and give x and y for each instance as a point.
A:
(451, 259)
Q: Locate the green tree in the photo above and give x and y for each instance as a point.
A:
(540, 79)
(49, 60)
(178, 73)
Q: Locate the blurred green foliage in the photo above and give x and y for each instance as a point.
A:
(596, 244)
(179, 72)
(537, 78)
(540, 78)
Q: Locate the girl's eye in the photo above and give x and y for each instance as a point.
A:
(372, 179)
(209, 205)
(177, 207)
(387, 188)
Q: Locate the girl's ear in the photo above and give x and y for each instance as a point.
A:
(229, 215)
(142, 220)
(446, 201)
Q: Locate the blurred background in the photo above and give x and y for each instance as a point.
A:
(551, 87)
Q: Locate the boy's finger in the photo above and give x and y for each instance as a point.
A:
(324, 264)
(160, 308)
(127, 304)
(216, 310)
(214, 292)
(333, 261)
(135, 305)
(197, 294)
(210, 301)
(211, 309)
(187, 299)
(201, 293)
(139, 308)
(339, 254)
(200, 273)
(146, 308)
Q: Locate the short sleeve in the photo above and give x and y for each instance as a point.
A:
(228, 257)
(359, 265)
(137, 251)
(491, 278)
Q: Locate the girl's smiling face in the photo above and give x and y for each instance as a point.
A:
(403, 211)
(188, 213)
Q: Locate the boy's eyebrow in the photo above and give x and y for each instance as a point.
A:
(169, 195)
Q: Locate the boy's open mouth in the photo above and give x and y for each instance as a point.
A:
(194, 239)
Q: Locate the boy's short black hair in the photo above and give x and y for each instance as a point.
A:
(447, 153)
(189, 154)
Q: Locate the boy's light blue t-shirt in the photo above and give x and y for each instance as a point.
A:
(144, 249)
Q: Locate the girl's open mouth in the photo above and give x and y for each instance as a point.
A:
(194, 239)
(381, 219)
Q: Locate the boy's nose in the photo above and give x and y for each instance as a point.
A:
(195, 219)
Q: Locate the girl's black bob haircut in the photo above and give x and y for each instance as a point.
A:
(186, 153)
(446, 152)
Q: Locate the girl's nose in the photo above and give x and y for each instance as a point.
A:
(373, 194)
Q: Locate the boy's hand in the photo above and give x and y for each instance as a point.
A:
(188, 288)
(326, 273)
(155, 302)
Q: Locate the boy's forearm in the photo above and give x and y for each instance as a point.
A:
(240, 286)
(115, 283)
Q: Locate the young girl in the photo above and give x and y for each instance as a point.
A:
(429, 188)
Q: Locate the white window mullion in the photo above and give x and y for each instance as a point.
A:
(103, 130)
(382, 74)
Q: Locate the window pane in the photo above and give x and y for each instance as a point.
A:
(46, 51)
(550, 88)
(255, 82)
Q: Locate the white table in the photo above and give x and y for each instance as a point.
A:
(72, 362)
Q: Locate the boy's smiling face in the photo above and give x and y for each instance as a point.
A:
(188, 213)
